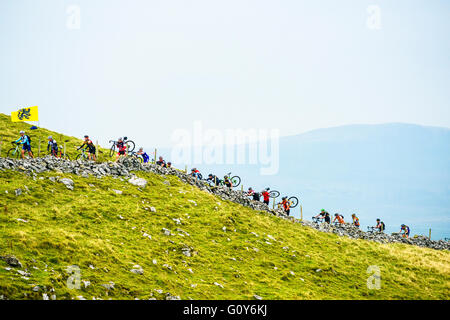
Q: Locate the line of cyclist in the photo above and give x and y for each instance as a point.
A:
(89, 146)
(285, 203)
(256, 196)
(339, 219)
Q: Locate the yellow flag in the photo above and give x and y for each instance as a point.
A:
(25, 114)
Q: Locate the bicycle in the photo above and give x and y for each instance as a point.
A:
(235, 180)
(316, 220)
(320, 222)
(60, 153)
(16, 152)
(372, 229)
(292, 200)
(274, 194)
(337, 224)
(129, 144)
(84, 155)
(138, 156)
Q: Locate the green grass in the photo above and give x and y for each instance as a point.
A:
(82, 227)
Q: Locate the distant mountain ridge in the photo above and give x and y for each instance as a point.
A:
(396, 171)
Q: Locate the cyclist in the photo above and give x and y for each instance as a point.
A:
(266, 195)
(227, 182)
(355, 220)
(380, 225)
(339, 218)
(143, 154)
(25, 141)
(89, 145)
(52, 146)
(195, 173)
(122, 147)
(405, 230)
(324, 215)
(253, 194)
(286, 205)
(213, 179)
(169, 164)
(161, 162)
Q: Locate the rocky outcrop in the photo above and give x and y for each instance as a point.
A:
(12, 261)
(348, 230)
(126, 166)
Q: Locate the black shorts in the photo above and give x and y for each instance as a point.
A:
(121, 153)
(91, 150)
(26, 147)
(266, 202)
(327, 219)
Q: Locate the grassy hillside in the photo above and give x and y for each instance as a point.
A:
(102, 232)
(236, 252)
(9, 131)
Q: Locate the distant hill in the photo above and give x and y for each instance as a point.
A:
(398, 172)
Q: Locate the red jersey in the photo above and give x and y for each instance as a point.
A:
(121, 146)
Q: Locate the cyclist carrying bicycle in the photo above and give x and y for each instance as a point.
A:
(89, 145)
(213, 179)
(405, 230)
(195, 173)
(52, 146)
(324, 215)
(339, 218)
(122, 147)
(380, 225)
(266, 196)
(355, 220)
(286, 205)
(161, 162)
(227, 181)
(143, 154)
(255, 195)
(25, 141)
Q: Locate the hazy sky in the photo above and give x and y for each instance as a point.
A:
(146, 68)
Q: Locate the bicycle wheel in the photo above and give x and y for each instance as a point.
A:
(141, 160)
(236, 181)
(293, 201)
(112, 150)
(274, 194)
(13, 154)
(80, 156)
(65, 157)
(130, 145)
